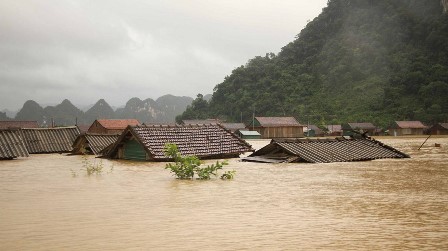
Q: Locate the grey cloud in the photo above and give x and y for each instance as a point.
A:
(84, 50)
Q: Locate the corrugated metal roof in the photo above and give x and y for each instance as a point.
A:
(117, 124)
(96, 142)
(18, 124)
(49, 140)
(249, 133)
(277, 121)
(410, 124)
(11, 145)
(203, 141)
(327, 150)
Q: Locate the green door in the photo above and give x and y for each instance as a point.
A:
(134, 151)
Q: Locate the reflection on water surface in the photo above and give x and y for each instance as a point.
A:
(383, 204)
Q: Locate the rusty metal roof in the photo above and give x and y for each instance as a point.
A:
(410, 125)
(203, 141)
(14, 124)
(96, 142)
(117, 124)
(324, 150)
(49, 140)
(277, 121)
(11, 145)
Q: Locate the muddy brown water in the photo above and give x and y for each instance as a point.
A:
(48, 203)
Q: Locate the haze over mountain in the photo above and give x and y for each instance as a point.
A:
(358, 61)
(163, 110)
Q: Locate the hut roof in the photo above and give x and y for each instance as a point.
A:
(444, 125)
(117, 124)
(14, 124)
(324, 150)
(364, 126)
(277, 121)
(410, 124)
(11, 145)
(234, 126)
(49, 140)
(203, 141)
(96, 142)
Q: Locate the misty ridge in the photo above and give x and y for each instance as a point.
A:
(162, 110)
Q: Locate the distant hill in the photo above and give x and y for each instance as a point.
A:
(359, 60)
(163, 110)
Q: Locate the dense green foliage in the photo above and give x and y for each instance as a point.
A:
(358, 61)
(186, 167)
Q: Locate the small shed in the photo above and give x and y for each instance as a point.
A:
(17, 124)
(340, 149)
(11, 145)
(402, 128)
(277, 127)
(439, 129)
(246, 134)
(350, 129)
(111, 126)
(211, 141)
(93, 143)
(49, 140)
(314, 131)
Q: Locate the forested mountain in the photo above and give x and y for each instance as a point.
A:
(163, 110)
(359, 60)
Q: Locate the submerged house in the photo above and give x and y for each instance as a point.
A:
(439, 129)
(11, 145)
(350, 129)
(49, 140)
(204, 141)
(111, 126)
(402, 128)
(340, 149)
(277, 127)
(93, 143)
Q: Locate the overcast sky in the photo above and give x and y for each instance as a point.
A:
(85, 50)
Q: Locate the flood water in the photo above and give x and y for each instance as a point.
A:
(48, 203)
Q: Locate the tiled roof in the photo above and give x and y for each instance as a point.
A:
(117, 124)
(49, 140)
(277, 121)
(11, 145)
(410, 124)
(325, 150)
(18, 124)
(96, 142)
(203, 141)
(364, 126)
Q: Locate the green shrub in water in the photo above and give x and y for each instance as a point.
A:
(186, 167)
